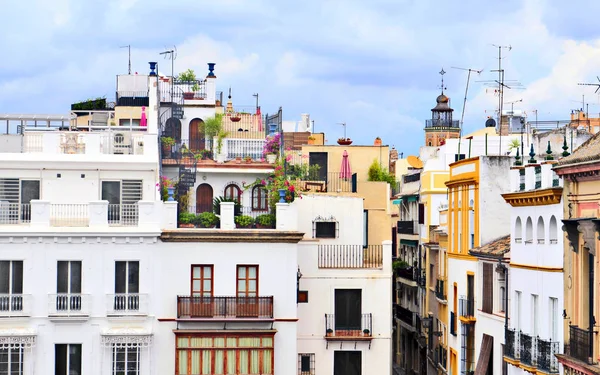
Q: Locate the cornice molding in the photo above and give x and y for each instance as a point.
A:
(238, 235)
(542, 197)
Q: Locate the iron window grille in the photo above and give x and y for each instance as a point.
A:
(306, 364)
(325, 227)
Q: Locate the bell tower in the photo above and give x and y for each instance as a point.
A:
(441, 126)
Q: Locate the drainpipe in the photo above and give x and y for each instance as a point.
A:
(591, 304)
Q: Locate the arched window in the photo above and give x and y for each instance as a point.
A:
(232, 191)
(529, 231)
(259, 198)
(518, 230)
(540, 231)
(553, 230)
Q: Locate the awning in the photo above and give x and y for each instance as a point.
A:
(487, 344)
(413, 243)
(17, 336)
(126, 337)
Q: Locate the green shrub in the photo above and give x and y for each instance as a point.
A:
(267, 220)
(244, 220)
(186, 218)
(399, 264)
(237, 207)
(376, 173)
(206, 219)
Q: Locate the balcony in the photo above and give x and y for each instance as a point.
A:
(407, 274)
(528, 349)
(14, 305)
(546, 359)
(214, 308)
(69, 305)
(440, 291)
(93, 214)
(580, 344)
(410, 320)
(440, 356)
(126, 304)
(407, 227)
(510, 337)
(114, 141)
(361, 328)
(350, 256)
(411, 178)
(330, 182)
(467, 308)
(453, 323)
(442, 123)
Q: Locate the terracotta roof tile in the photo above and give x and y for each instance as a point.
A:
(588, 151)
(496, 248)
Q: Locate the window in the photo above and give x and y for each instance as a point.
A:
(259, 198)
(224, 354)
(306, 364)
(125, 360)
(347, 363)
(232, 191)
(202, 281)
(247, 281)
(529, 231)
(366, 228)
(68, 286)
(540, 231)
(471, 229)
(11, 285)
(67, 359)
(501, 291)
(324, 229)
(488, 287)
(517, 308)
(518, 230)
(553, 319)
(348, 308)
(122, 192)
(11, 359)
(553, 230)
(127, 285)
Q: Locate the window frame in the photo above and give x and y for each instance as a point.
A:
(68, 358)
(127, 274)
(126, 349)
(202, 278)
(21, 358)
(260, 198)
(11, 277)
(233, 189)
(247, 279)
(311, 365)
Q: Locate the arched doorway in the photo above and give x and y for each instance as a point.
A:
(173, 129)
(196, 135)
(204, 198)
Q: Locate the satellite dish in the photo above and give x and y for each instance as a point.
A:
(490, 123)
(414, 162)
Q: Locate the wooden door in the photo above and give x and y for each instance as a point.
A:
(204, 198)
(196, 135)
(247, 291)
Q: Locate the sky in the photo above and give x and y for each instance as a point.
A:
(371, 64)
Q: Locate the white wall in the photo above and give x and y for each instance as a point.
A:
(348, 211)
(493, 181)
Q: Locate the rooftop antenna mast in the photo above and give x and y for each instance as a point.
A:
(129, 49)
(462, 116)
(172, 54)
(344, 125)
(592, 84)
(501, 87)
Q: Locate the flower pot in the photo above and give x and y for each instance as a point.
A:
(311, 141)
(344, 142)
(243, 226)
(235, 118)
(271, 158)
(377, 142)
(220, 158)
(188, 225)
(260, 226)
(208, 227)
(282, 195)
(188, 95)
(170, 192)
(238, 160)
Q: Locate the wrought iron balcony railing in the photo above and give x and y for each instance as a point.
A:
(453, 323)
(407, 273)
(440, 291)
(350, 256)
(467, 307)
(546, 359)
(406, 316)
(510, 343)
(580, 344)
(211, 307)
(407, 227)
(360, 326)
(528, 348)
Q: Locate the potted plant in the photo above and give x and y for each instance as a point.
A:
(366, 332)
(311, 140)
(377, 142)
(248, 159)
(186, 220)
(187, 77)
(220, 136)
(265, 221)
(243, 221)
(235, 117)
(206, 220)
(344, 141)
(271, 148)
(167, 144)
(329, 331)
(237, 207)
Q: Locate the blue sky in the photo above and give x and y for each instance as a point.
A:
(372, 64)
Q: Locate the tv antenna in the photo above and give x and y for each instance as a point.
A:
(462, 116)
(171, 53)
(501, 87)
(344, 125)
(592, 84)
(129, 49)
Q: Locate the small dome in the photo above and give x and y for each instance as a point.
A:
(490, 123)
(442, 99)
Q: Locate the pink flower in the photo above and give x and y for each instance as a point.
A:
(263, 182)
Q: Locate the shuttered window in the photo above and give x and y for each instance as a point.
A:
(421, 213)
(488, 287)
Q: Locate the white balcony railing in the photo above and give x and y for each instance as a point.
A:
(127, 304)
(243, 148)
(123, 214)
(14, 213)
(15, 305)
(69, 215)
(69, 304)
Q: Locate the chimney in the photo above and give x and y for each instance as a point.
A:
(304, 123)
